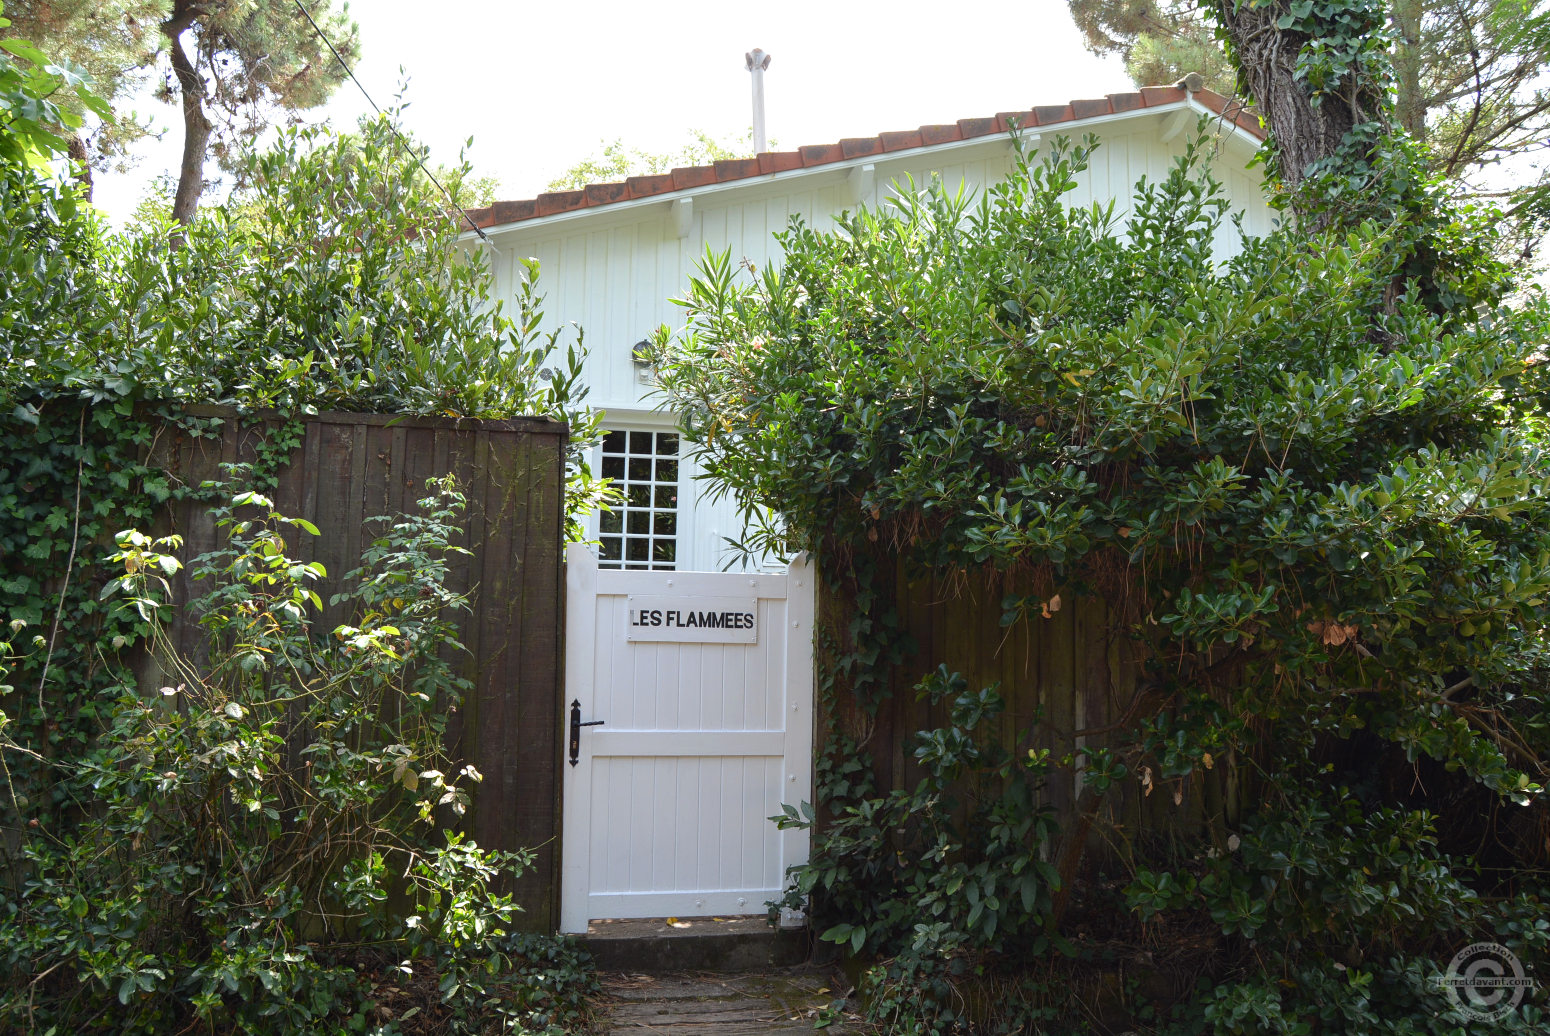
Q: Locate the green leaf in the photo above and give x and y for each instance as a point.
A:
(25, 50)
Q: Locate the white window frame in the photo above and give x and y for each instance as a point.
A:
(654, 424)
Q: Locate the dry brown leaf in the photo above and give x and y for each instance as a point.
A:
(1333, 634)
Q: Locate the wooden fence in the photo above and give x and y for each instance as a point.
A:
(1069, 681)
(353, 467)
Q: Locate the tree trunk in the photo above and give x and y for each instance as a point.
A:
(1266, 58)
(1410, 104)
(79, 154)
(196, 126)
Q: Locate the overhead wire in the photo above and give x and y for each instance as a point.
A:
(418, 157)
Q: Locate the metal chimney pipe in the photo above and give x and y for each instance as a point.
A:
(756, 62)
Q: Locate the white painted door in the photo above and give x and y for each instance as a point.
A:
(703, 683)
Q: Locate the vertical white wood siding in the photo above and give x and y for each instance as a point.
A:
(613, 269)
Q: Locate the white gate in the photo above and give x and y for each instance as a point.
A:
(689, 721)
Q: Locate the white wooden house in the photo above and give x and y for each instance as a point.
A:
(612, 255)
(691, 689)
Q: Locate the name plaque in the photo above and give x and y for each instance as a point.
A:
(692, 620)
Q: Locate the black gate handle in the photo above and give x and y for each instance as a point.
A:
(575, 730)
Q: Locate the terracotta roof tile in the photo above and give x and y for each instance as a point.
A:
(860, 147)
(976, 127)
(646, 186)
(779, 161)
(901, 139)
(939, 134)
(693, 176)
(511, 211)
(854, 147)
(1233, 109)
(1215, 101)
(821, 154)
(1151, 96)
(604, 193)
(559, 201)
(737, 168)
(1247, 120)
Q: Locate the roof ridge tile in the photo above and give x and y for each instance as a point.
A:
(940, 134)
(779, 161)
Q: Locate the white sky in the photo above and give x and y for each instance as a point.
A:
(537, 86)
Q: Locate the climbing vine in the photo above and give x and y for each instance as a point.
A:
(53, 563)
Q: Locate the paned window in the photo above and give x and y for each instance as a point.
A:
(643, 531)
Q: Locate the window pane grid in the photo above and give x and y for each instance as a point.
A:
(642, 532)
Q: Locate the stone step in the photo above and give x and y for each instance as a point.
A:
(714, 944)
(779, 1002)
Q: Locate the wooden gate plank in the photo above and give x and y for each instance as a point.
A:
(351, 467)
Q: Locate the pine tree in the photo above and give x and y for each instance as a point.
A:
(230, 66)
(234, 62)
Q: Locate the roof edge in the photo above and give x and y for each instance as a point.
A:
(844, 152)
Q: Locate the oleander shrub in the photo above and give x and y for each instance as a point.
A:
(1314, 493)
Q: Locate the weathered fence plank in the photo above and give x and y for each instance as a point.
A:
(1066, 679)
(350, 468)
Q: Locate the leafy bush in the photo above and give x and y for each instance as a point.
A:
(257, 841)
(337, 283)
(1313, 494)
(268, 808)
(35, 96)
(949, 865)
(940, 874)
(350, 293)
